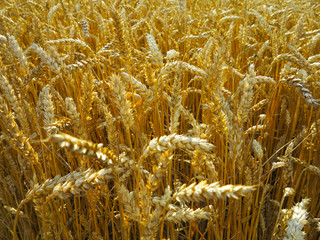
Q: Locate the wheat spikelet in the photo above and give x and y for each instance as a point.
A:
(203, 191)
(302, 60)
(230, 18)
(120, 30)
(264, 79)
(276, 165)
(195, 37)
(185, 114)
(86, 100)
(83, 64)
(314, 58)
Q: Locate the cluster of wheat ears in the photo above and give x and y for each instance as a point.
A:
(147, 119)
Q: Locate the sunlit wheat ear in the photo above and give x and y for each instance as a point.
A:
(255, 129)
(155, 179)
(297, 220)
(109, 123)
(84, 64)
(83, 147)
(10, 95)
(119, 29)
(256, 146)
(46, 58)
(177, 215)
(129, 200)
(154, 49)
(3, 39)
(203, 191)
(71, 184)
(77, 42)
(45, 106)
(172, 54)
(72, 111)
(121, 101)
(58, 125)
(262, 21)
(17, 51)
(313, 169)
(174, 141)
(179, 109)
(246, 87)
(85, 28)
(137, 85)
(178, 65)
(16, 137)
(175, 104)
(295, 60)
(152, 226)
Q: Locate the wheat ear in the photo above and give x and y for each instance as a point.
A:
(204, 191)
(174, 141)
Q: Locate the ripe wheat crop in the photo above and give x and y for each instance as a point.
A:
(147, 119)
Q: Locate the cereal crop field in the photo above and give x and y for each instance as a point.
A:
(149, 119)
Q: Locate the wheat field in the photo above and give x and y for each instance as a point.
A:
(147, 119)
